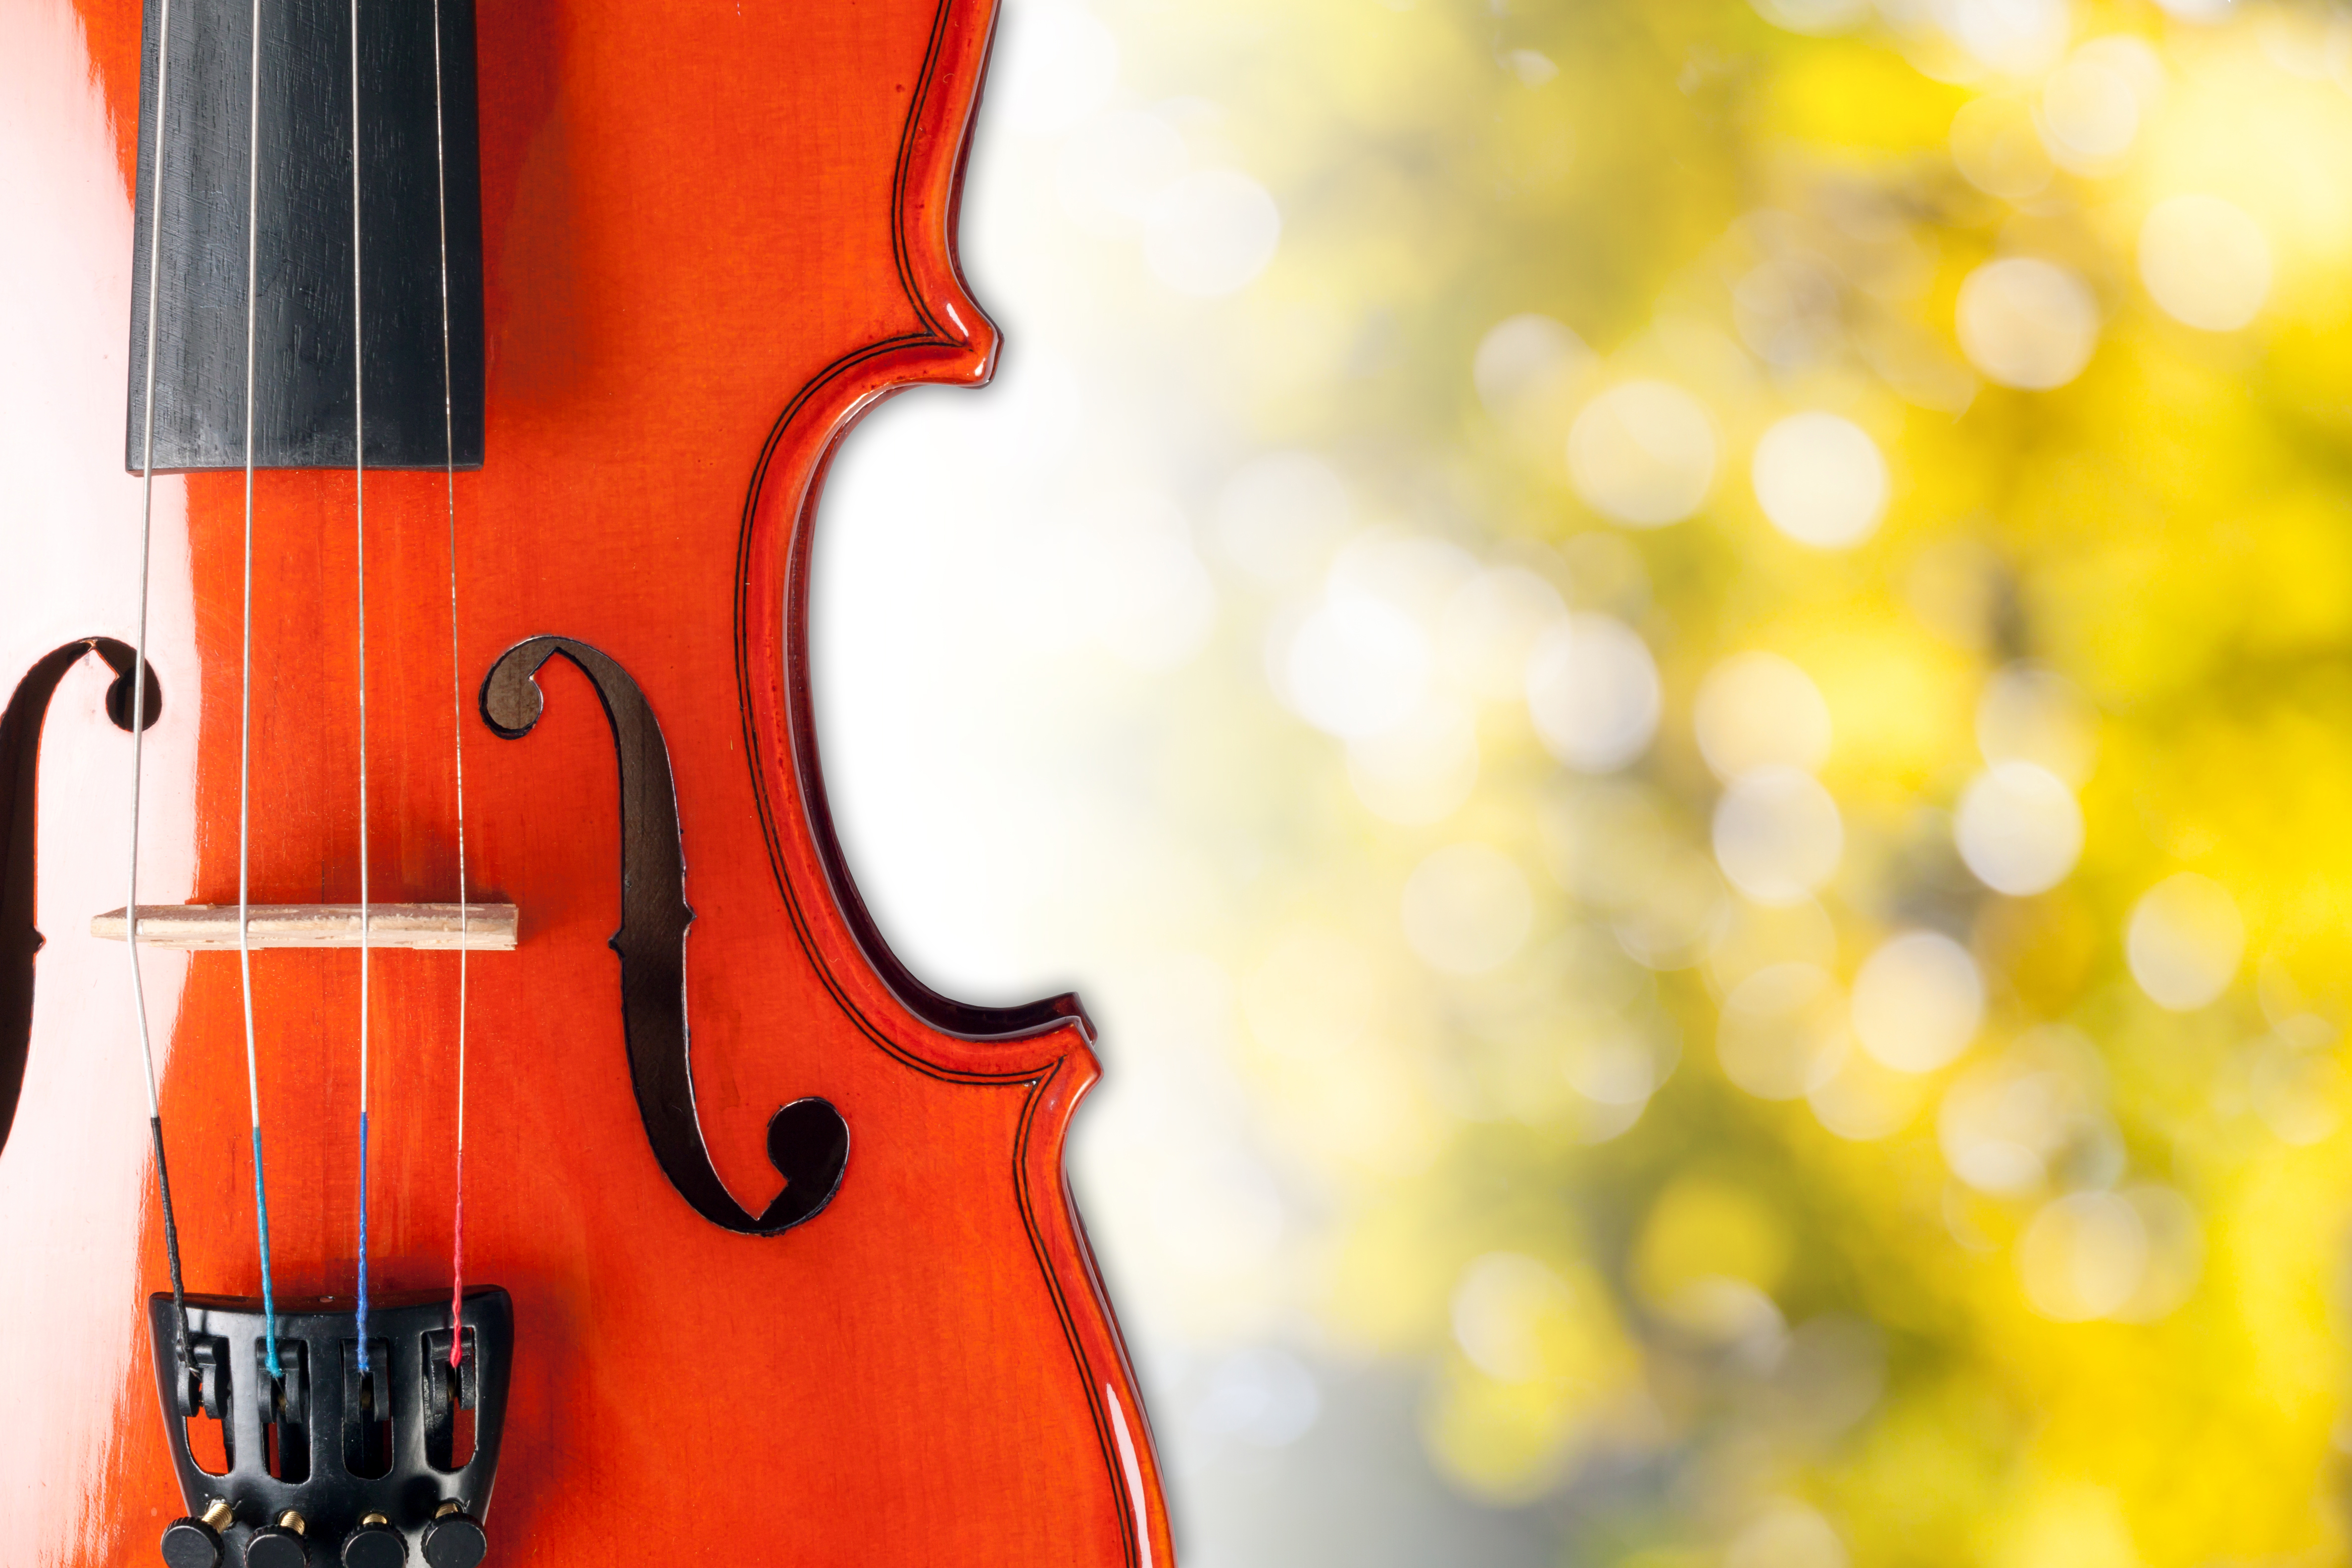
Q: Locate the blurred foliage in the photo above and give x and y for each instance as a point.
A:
(1875, 1102)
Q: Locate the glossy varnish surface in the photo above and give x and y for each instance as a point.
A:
(712, 236)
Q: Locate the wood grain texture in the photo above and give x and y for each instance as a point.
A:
(713, 237)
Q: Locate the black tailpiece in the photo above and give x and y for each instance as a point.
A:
(340, 1453)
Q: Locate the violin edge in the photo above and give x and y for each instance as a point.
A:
(959, 347)
(1046, 1044)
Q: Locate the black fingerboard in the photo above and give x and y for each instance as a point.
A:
(305, 403)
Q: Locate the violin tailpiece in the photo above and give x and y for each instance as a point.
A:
(356, 1467)
(661, 258)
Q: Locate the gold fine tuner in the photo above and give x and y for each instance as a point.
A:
(195, 1541)
(455, 1538)
(375, 1544)
(279, 1544)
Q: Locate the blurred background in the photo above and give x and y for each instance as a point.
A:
(1675, 674)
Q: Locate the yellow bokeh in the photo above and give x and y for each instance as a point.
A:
(1797, 869)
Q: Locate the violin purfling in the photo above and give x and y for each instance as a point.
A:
(475, 437)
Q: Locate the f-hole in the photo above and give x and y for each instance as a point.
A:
(808, 1141)
(285, 1410)
(451, 1393)
(20, 766)
(367, 1410)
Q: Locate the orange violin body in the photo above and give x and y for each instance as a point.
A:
(713, 234)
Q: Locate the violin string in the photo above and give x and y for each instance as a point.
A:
(139, 681)
(457, 699)
(244, 695)
(359, 512)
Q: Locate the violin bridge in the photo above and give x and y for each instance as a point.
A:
(477, 928)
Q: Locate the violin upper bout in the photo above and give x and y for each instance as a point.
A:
(1045, 1047)
(954, 344)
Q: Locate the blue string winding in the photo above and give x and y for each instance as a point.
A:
(261, 1219)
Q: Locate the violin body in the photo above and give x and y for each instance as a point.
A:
(712, 236)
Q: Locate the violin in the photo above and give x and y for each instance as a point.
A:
(444, 1057)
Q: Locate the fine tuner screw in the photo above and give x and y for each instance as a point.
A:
(375, 1544)
(279, 1545)
(455, 1539)
(195, 1541)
